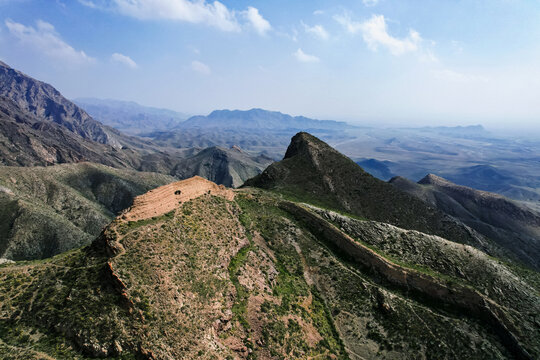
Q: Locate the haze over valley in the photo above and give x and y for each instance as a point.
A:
(355, 180)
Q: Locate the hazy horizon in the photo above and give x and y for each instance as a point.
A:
(373, 62)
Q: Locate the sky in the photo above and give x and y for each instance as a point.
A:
(395, 62)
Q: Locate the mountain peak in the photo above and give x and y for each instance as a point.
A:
(301, 143)
(314, 172)
(236, 148)
(304, 143)
(432, 179)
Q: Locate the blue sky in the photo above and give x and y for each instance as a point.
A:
(404, 62)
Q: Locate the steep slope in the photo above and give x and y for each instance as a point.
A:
(46, 103)
(230, 167)
(41, 127)
(130, 117)
(314, 172)
(27, 141)
(379, 169)
(243, 275)
(47, 210)
(511, 225)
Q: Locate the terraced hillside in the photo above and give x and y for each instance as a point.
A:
(250, 274)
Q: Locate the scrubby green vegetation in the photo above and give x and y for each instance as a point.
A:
(49, 210)
(227, 279)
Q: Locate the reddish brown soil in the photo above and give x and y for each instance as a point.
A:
(166, 198)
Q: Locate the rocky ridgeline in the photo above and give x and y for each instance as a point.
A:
(464, 297)
(514, 227)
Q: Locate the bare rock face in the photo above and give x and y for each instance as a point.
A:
(46, 103)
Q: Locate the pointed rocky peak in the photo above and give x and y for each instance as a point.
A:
(304, 143)
(432, 179)
(315, 173)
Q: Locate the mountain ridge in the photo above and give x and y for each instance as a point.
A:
(260, 119)
(251, 276)
(130, 117)
(343, 185)
(45, 102)
(512, 225)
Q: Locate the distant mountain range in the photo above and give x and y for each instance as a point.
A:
(130, 117)
(261, 120)
(256, 130)
(41, 127)
(466, 155)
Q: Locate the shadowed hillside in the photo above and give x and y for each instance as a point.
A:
(47, 210)
(230, 167)
(511, 225)
(312, 171)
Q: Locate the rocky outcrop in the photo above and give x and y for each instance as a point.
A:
(46, 103)
(315, 172)
(464, 297)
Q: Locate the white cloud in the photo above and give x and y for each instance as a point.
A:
(214, 13)
(46, 40)
(318, 12)
(427, 56)
(370, 2)
(316, 30)
(197, 12)
(306, 58)
(200, 67)
(294, 35)
(88, 3)
(260, 24)
(456, 77)
(125, 60)
(351, 26)
(375, 33)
